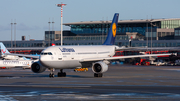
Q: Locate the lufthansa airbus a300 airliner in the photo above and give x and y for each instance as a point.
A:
(70, 57)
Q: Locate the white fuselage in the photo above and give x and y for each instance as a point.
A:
(70, 56)
(16, 63)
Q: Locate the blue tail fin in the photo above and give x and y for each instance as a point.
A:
(110, 40)
(3, 49)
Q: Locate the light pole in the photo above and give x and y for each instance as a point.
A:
(147, 33)
(102, 29)
(53, 31)
(61, 5)
(15, 36)
(49, 31)
(152, 25)
(11, 34)
(29, 37)
(151, 36)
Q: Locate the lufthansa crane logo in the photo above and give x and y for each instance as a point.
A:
(114, 29)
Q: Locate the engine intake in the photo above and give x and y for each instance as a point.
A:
(36, 67)
(99, 67)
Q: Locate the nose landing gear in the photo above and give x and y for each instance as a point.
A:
(60, 74)
(51, 75)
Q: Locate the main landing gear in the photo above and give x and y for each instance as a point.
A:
(98, 74)
(61, 73)
(51, 75)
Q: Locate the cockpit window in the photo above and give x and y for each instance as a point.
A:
(48, 53)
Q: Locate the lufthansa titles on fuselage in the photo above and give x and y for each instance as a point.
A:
(67, 49)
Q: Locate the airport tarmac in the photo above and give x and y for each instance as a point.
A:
(120, 82)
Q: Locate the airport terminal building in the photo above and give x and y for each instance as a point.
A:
(151, 32)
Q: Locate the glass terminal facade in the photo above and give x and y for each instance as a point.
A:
(170, 24)
(97, 29)
(139, 26)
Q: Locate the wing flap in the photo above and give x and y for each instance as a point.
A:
(127, 48)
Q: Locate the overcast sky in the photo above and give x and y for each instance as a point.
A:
(32, 16)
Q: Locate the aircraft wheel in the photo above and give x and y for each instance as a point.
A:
(98, 74)
(61, 74)
(64, 74)
(51, 75)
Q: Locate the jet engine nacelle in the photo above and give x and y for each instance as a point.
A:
(99, 67)
(36, 67)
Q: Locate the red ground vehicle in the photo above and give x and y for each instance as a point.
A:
(143, 62)
(2, 67)
(119, 53)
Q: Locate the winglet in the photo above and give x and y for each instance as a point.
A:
(3, 49)
(110, 40)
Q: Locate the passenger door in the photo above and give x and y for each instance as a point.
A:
(58, 55)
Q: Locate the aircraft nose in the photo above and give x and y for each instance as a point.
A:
(45, 60)
(42, 59)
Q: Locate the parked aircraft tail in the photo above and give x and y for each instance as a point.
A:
(3, 49)
(110, 40)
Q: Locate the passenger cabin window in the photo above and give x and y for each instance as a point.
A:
(46, 53)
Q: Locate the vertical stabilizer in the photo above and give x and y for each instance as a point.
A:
(110, 40)
(3, 49)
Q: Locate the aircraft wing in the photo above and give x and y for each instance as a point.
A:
(23, 55)
(122, 57)
(128, 48)
(146, 48)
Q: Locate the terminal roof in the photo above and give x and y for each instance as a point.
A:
(120, 21)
